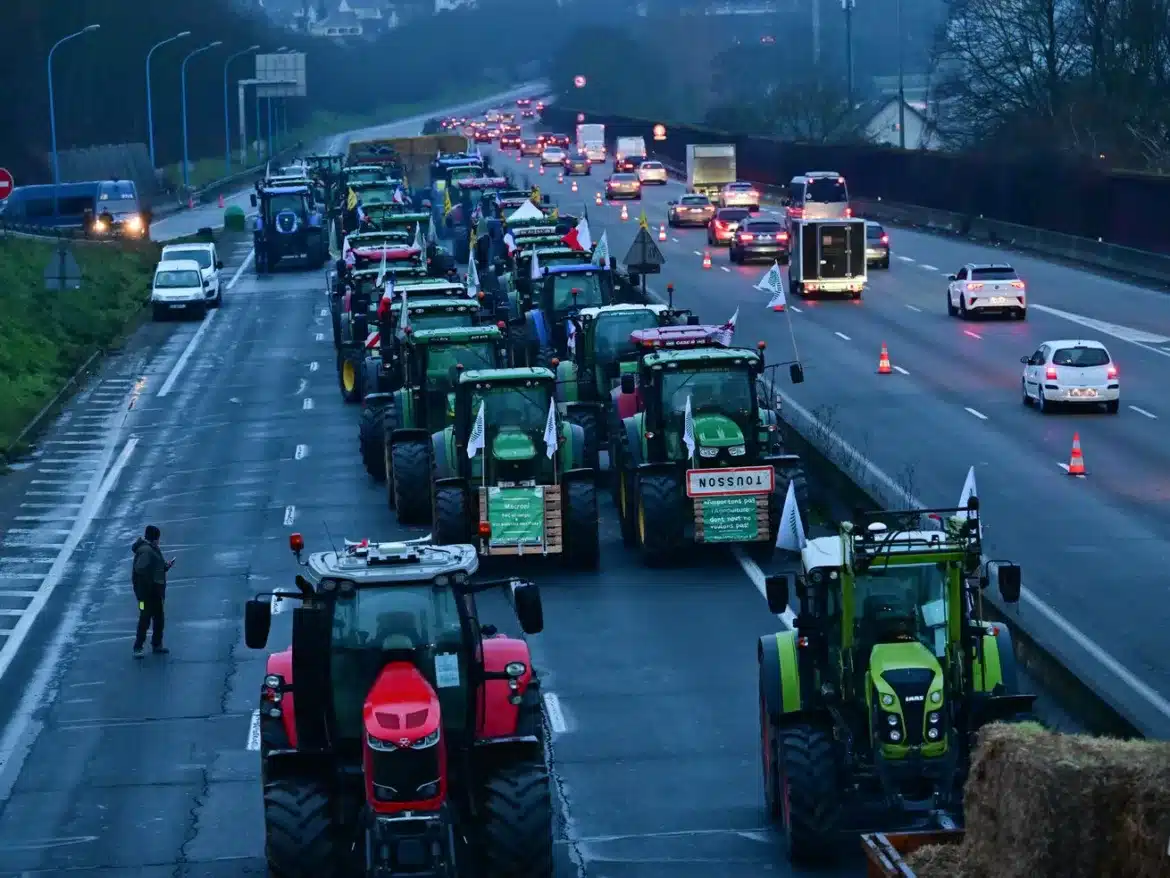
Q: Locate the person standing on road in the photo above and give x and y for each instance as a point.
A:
(150, 589)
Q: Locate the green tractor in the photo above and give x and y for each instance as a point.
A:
(356, 175)
(495, 483)
(397, 427)
(601, 350)
(870, 704)
(730, 490)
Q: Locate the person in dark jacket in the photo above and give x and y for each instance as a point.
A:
(150, 589)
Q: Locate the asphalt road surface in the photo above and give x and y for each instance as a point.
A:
(1093, 549)
(228, 434)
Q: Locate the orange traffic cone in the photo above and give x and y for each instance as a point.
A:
(1076, 463)
(574, 185)
(597, 198)
(530, 164)
(625, 213)
(542, 170)
(884, 367)
(560, 176)
(662, 232)
(706, 259)
(221, 201)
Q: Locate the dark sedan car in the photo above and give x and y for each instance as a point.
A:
(484, 135)
(510, 141)
(561, 140)
(531, 146)
(722, 227)
(759, 239)
(690, 210)
(623, 186)
(578, 163)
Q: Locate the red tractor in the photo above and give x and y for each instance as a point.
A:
(398, 734)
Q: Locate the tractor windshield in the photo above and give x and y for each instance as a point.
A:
(444, 316)
(727, 391)
(510, 405)
(587, 285)
(366, 175)
(902, 603)
(277, 203)
(377, 195)
(613, 328)
(422, 618)
(473, 355)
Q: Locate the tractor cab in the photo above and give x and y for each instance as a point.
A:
(288, 225)
(557, 298)
(436, 357)
(446, 171)
(393, 713)
(473, 190)
(898, 664)
(551, 256)
(356, 175)
(325, 166)
(376, 193)
(606, 342)
(369, 247)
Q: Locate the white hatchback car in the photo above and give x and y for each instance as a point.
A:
(178, 288)
(1071, 372)
(987, 289)
(652, 172)
(210, 265)
(740, 195)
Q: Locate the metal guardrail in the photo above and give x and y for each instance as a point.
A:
(1142, 264)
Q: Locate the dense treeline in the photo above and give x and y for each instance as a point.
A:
(99, 78)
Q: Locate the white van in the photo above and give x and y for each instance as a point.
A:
(178, 288)
(209, 265)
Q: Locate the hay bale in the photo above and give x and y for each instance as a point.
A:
(1044, 805)
(937, 861)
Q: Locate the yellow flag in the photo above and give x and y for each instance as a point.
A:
(556, 213)
(642, 221)
(447, 206)
(536, 195)
(351, 200)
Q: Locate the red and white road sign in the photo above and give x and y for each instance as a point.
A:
(6, 183)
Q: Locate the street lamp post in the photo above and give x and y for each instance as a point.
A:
(227, 125)
(149, 102)
(183, 100)
(53, 112)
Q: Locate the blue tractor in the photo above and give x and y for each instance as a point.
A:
(289, 224)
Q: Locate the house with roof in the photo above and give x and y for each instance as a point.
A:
(878, 121)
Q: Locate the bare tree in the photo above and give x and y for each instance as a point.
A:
(810, 111)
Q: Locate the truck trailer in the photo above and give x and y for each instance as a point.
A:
(710, 167)
(827, 257)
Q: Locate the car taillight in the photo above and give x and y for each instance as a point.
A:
(754, 194)
(720, 225)
(973, 287)
(783, 236)
(744, 236)
(1111, 372)
(848, 212)
(1018, 284)
(796, 212)
(885, 239)
(1050, 374)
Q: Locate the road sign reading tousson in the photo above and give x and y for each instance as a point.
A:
(286, 72)
(730, 481)
(7, 183)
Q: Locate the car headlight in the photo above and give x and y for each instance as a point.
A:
(738, 450)
(134, 223)
(100, 226)
(708, 452)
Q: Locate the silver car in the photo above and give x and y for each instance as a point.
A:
(740, 195)
(877, 245)
(652, 172)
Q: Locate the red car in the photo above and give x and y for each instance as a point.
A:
(722, 227)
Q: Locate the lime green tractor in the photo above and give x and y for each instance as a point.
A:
(697, 457)
(398, 426)
(870, 704)
(601, 350)
(510, 475)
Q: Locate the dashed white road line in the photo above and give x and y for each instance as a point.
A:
(290, 515)
(320, 336)
(308, 403)
(794, 308)
(675, 240)
(301, 451)
(555, 713)
(900, 370)
(697, 252)
(975, 412)
(971, 334)
(905, 258)
(926, 267)
(842, 336)
(314, 366)
(725, 268)
(1140, 411)
(324, 312)
(914, 308)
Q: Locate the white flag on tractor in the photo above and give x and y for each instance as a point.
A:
(478, 437)
(601, 253)
(536, 271)
(550, 430)
(790, 536)
(420, 243)
(472, 277)
(773, 282)
(969, 491)
(382, 268)
(689, 429)
(727, 330)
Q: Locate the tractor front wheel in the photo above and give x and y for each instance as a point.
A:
(582, 549)
(411, 462)
(371, 441)
(298, 829)
(349, 377)
(452, 521)
(517, 836)
(659, 517)
(810, 793)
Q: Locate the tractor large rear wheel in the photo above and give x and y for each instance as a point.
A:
(810, 793)
(371, 441)
(582, 542)
(659, 513)
(517, 836)
(299, 834)
(589, 423)
(411, 462)
(452, 523)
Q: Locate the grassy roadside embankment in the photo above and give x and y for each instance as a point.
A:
(322, 124)
(46, 336)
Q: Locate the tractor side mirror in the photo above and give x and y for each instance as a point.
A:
(257, 623)
(672, 202)
(777, 589)
(529, 609)
(796, 373)
(627, 384)
(219, 266)
(693, 320)
(951, 277)
(252, 198)
(1009, 582)
(1027, 361)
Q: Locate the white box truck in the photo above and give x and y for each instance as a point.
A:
(591, 141)
(628, 153)
(710, 167)
(827, 256)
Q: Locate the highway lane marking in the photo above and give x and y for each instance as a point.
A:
(1096, 652)
(900, 370)
(697, 252)
(794, 308)
(21, 721)
(253, 743)
(926, 267)
(976, 413)
(675, 240)
(914, 308)
(202, 331)
(555, 714)
(308, 404)
(301, 451)
(905, 258)
(753, 572)
(1150, 415)
(725, 268)
(1145, 340)
(320, 336)
(324, 312)
(302, 384)
(968, 332)
(842, 335)
(290, 514)
(314, 366)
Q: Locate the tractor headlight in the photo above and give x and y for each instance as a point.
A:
(515, 669)
(895, 736)
(738, 450)
(933, 733)
(887, 699)
(936, 697)
(708, 452)
(934, 718)
(892, 719)
(272, 681)
(429, 741)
